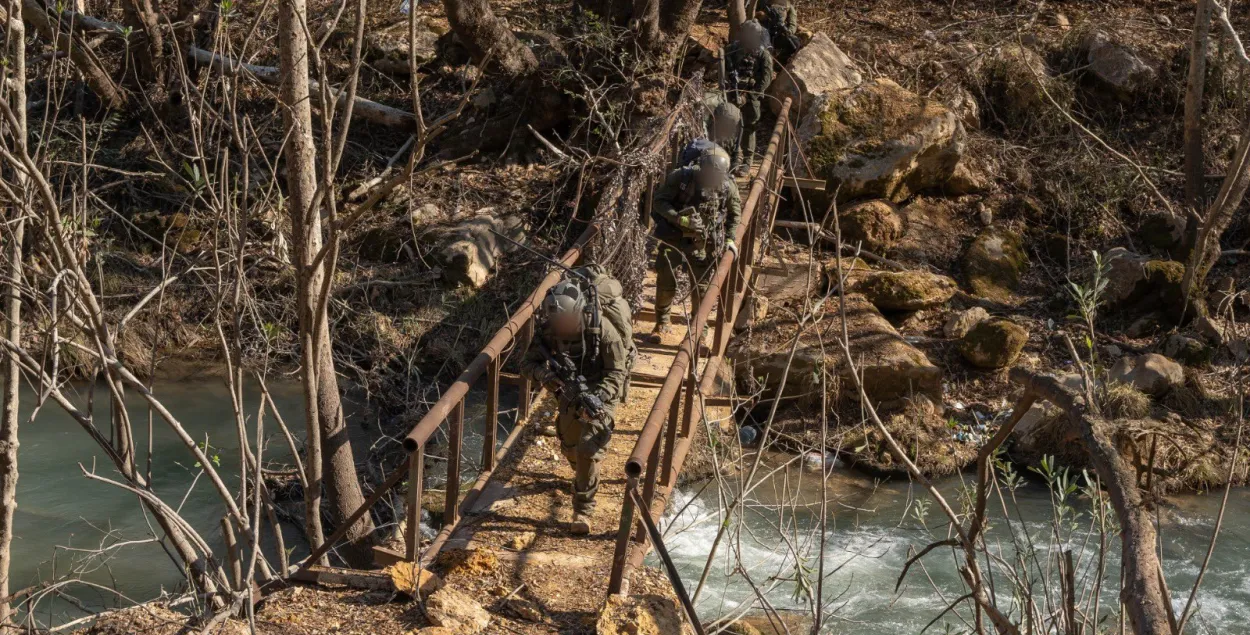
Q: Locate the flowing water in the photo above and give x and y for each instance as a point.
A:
(873, 527)
(63, 516)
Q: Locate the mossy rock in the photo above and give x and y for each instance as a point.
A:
(1164, 280)
(876, 224)
(994, 343)
(178, 230)
(906, 290)
(1015, 80)
(880, 140)
(994, 263)
(1187, 350)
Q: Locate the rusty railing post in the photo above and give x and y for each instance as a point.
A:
(416, 476)
(491, 428)
(524, 403)
(455, 439)
(616, 581)
(654, 461)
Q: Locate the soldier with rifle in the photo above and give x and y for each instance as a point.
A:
(749, 73)
(781, 19)
(581, 355)
(697, 211)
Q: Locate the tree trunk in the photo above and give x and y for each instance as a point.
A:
(146, 43)
(15, 43)
(1142, 592)
(1195, 196)
(1219, 216)
(323, 408)
(483, 33)
(646, 24)
(676, 18)
(737, 15)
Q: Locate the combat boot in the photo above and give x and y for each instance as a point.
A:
(657, 334)
(580, 525)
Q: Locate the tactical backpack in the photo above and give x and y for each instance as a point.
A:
(613, 306)
(692, 151)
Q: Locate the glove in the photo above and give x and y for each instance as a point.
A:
(691, 223)
(730, 246)
(591, 406)
(548, 379)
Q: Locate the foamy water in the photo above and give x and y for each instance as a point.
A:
(873, 529)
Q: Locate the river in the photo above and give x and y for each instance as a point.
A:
(872, 527)
(62, 516)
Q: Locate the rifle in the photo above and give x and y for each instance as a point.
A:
(571, 387)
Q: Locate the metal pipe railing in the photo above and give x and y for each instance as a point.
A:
(726, 289)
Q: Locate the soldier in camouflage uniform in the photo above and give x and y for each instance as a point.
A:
(781, 19)
(724, 127)
(750, 72)
(697, 211)
(584, 360)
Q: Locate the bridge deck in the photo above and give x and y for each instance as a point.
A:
(513, 551)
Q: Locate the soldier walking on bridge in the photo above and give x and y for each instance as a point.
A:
(582, 353)
(697, 211)
(750, 72)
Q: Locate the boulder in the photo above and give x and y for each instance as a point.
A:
(876, 224)
(414, 581)
(1115, 68)
(1151, 373)
(453, 610)
(469, 250)
(994, 343)
(1189, 350)
(964, 103)
(880, 140)
(1125, 270)
(1137, 282)
(388, 51)
(819, 67)
(994, 262)
(892, 368)
(1016, 81)
(906, 290)
(960, 323)
(965, 180)
(648, 614)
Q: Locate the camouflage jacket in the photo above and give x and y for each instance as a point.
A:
(748, 72)
(605, 373)
(720, 211)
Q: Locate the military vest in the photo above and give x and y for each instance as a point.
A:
(711, 208)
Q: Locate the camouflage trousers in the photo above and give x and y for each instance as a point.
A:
(751, 113)
(671, 258)
(583, 448)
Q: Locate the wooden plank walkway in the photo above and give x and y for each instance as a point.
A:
(513, 551)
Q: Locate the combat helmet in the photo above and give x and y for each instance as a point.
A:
(713, 169)
(725, 114)
(569, 311)
(752, 36)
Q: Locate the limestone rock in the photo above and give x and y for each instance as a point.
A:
(906, 290)
(965, 180)
(1126, 270)
(639, 615)
(1016, 81)
(1187, 349)
(817, 68)
(994, 263)
(453, 610)
(469, 251)
(892, 368)
(1151, 373)
(1135, 281)
(876, 224)
(880, 140)
(964, 103)
(412, 581)
(388, 51)
(960, 323)
(1116, 68)
(994, 343)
